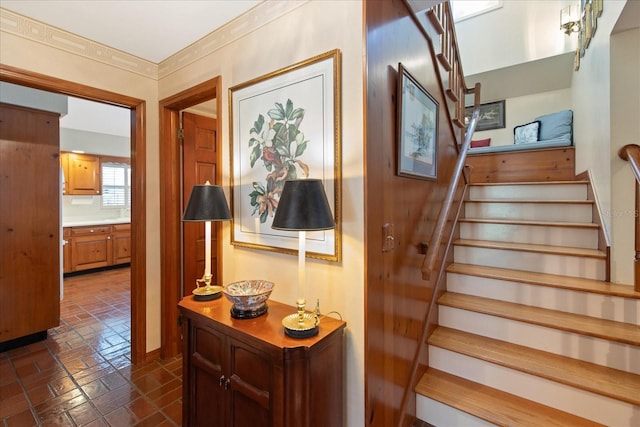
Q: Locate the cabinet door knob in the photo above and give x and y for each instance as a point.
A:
(221, 382)
(226, 384)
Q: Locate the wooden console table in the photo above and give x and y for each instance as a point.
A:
(249, 373)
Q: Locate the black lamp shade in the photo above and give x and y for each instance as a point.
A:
(207, 203)
(303, 206)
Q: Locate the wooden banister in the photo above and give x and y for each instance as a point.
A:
(631, 153)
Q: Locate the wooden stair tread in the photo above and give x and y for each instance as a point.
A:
(609, 382)
(492, 405)
(528, 247)
(591, 326)
(532, 201)
(545, 279)
(494, 184)
(534, 223)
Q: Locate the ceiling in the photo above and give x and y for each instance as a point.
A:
(149, 29)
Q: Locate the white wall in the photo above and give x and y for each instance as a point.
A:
(525, 109)
(592, 98)
(520, 31)
(311, 29)
(625, 129)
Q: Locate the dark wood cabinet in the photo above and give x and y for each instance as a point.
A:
(30, 218)
(247, 372)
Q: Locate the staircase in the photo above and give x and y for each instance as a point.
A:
(529, 333)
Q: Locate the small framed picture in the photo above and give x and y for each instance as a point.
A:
(491, 116)
(417, 135)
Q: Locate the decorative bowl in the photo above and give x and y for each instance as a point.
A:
(249, 297)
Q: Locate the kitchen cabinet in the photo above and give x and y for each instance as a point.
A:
(30, 218)
(81, 174)
(121, 243)
(90, 247)
(96, 246)
(249, 373)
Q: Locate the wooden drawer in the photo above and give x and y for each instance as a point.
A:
(121, 227)
(90, 231)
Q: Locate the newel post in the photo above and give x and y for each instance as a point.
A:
(631, 153)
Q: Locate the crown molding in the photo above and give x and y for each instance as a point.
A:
(40, 32)
(259, 16)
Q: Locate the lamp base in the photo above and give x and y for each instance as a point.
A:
(237, 313)
(305, 329)
(207, 293)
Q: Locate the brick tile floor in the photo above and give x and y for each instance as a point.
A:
(82, 374)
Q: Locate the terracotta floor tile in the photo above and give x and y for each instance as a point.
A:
(23, 419)
(83, 414)
(82, 374)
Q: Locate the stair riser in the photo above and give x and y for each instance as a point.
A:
(537, 235)
(590, 349)
(566, 398)
(588, 268)
(530, 211)
(566, 300)
(529, 192)
(441, 415)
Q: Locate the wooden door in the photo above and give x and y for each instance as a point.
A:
(29, 222)
(199, 161)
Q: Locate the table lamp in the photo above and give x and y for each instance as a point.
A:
(206, 203)
(302, 207)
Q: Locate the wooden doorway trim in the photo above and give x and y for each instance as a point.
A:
(170, 203)
(138, 167)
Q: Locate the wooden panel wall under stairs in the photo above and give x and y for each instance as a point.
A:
(519, 345)
(550, 164)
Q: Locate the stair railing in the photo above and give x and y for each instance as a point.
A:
(438, 28)
(631, 153)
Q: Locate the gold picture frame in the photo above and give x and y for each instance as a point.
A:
(284, 125)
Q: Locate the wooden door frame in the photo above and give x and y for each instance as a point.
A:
(138, 191)
(171, 206)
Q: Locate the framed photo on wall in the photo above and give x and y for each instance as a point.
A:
(491, 116)
(417, 136)
(285, 125)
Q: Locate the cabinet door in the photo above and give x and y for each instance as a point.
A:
(67, 267)
(121, 241)
(83, 176)
(206, 383)
(90, 247)
(250, 387)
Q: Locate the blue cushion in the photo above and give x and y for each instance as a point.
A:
(556, 125)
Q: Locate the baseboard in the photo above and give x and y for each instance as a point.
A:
(22, 341)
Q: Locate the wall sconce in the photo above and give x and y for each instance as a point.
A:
(570, 19)
(303, 206)
(206, 203)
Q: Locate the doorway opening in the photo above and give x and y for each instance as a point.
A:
(171, 202)
(138, 171)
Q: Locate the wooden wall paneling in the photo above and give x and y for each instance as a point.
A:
(397, 297)
(30, 221)
(138, 192)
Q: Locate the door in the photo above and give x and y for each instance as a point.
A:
(29, 222)
(199, 158)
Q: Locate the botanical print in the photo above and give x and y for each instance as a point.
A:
(421, 135)
(279, 144)
(285, 125)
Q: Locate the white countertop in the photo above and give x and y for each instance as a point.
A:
(88, 221)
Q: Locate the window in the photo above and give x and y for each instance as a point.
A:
(465, 9)
(116, 185)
